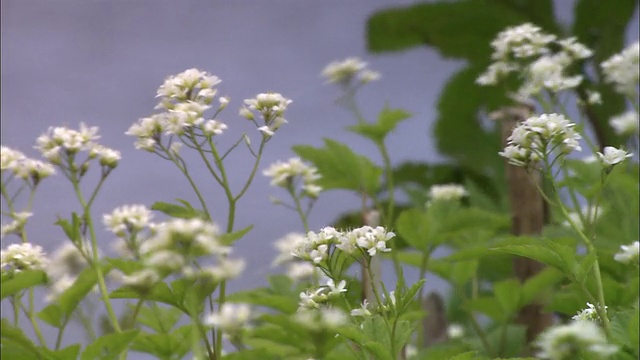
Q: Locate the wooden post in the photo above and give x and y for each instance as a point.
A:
(528, 216)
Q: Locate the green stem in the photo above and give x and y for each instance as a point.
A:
(301, 213)
(32, 319)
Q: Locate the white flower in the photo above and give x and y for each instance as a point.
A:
(213, 127)
(108, 157)
(588, 314)
(628, 253)
(141, 280)
(284, 173)
(367, 76)
(594, 98)
(447, 192)
(271, 107)
(58, 287)
(189, 237)
(622, 70)
(230, 318)
(521, 41)
(298, 271)
(625, 124)
(566, 342)
(16, 226)
(590, 213)
(373, 240)
(286, 246)
(336, 290)
(23, 256)
(9, 158)
(67, 260)
(613, 156)
(127, 218)
(455, 331)
(165, 260)
(496, 72)
(363, 310)
(226, 269)
(343, 71)
(575, 49)
(321, 319)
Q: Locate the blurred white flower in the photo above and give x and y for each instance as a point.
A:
(343, 71)
(18, 223)
(625, 124)
(286, 246)
(323, 318)
(363, 310)
(622, 70)
(127, 218)
(283, 174)
(271, 106)
(447, 192)
(336, 290)
(588, 314)
(455, 331)
(570, 341)
(231, 318)
(628, 253)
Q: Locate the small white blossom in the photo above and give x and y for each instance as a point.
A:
(363, 310)
(299, 271)
(24, 256)
(594, 98)
(16, 226)
(108, 157)
(321, 319)
(343, 71)
(336, 290)
(566, 342)
(447, 192)
(286, 246)
(590, 213)
(226, 269)
(141, 280)
(521, 41)
(575, 49)
(127, 218)
(58, 287)
(455, 331)
(588, 314)
(231, 318)
(66, 261)
(271, 106)
(628, 253)
(622, 70)
(213, 127)
(613, 156)
(283, 174)
(625, 124)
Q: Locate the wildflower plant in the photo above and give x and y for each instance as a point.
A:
(164, 284)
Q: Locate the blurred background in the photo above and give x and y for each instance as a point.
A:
(100, 62)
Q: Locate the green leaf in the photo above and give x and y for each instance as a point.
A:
(388, 119)
(539, 285)
(462, 272)
(549, 252)
(460, 29)
(109, 347)
(160, 319)
(55, 313)
(262, 297)
(71, 229)
(488, 306)
(341, 168)
(413, 226)
(229, 239)
(186, 211)
(19, 340)
(464, 356)
(509, 295)
(167, 345)
(160, 293)
(22, 280)
(70, 352)
(127, 267)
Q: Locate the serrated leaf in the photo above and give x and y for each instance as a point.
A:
(509, 294)
(15, 335)
(68, 353)
(22, 280)
(388, 119)
(160, 293)
(160, 319)
(109, 347)
(341, 168)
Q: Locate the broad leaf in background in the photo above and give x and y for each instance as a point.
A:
(388, 119)
(341, 168)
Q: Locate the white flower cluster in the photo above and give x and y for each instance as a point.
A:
(184, 98)
(66, 264)
(127, 219)
(622, 70)
(366, 239)
(625, 124)
(173, 248)
(526, 49)
(20, 257)
(271, 107)
(283, 174)
(61, 143)
(367, 309)
(324, 318)
(588, 314)
(231, 318)
(23, 167)
(17, 225)
(570, 341)
(312, 299)
(345, 71)
(590, 213)
(297, 270)
(628, 253)
(538, 136)
(447, 192)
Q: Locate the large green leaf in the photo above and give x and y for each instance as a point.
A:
(460, 29)
(413, 226)
(388, 119)
(184, 211)
(109, 347)
(341, 168)
(22, 280)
